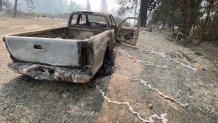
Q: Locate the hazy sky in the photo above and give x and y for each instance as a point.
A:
(95, 4)
(45, 6)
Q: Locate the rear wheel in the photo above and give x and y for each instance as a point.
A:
(107, 67)
(109, 56)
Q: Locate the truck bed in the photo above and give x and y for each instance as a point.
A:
(64, 33)
(64, 46)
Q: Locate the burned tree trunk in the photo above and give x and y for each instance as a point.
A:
(189, 15)
(15, 8)
(206, 22)
(186, 24)
(173, 21)
(143, 13)
(1, 4)
(173, 7)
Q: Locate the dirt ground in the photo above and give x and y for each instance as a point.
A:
(158, 76)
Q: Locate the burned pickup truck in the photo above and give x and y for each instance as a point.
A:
(73, 53)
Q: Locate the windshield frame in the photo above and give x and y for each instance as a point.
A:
(88, 14)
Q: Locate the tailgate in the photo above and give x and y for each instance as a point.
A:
(57, 52)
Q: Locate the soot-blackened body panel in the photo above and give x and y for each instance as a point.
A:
(57, 52)
(50, 73)
(58, 59)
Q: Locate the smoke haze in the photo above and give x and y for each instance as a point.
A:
(66, 6)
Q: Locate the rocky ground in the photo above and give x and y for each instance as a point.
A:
(158, 80)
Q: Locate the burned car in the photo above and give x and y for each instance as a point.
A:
(73, 53)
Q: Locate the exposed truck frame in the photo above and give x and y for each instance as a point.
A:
(73, 53)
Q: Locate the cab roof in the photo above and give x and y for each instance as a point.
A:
(90, 13)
